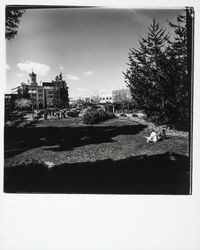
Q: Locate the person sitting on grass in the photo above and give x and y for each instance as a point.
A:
(153, 137)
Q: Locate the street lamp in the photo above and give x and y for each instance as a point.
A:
(32, 92)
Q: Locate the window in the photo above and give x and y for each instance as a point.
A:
(49, 87)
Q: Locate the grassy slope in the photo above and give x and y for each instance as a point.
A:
(109, 158)
(69, 141)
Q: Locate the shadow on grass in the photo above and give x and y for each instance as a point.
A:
(18, 140)
(159, 174)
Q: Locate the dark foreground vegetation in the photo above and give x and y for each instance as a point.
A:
(158, 174)
(108, 158)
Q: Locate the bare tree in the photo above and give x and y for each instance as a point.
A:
(122, 97)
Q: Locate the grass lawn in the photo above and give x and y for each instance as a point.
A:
(67, 141)
(109, 146)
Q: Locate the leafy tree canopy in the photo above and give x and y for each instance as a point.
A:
(23, 103)
(23, 92)
(61, 96)
(13, 17)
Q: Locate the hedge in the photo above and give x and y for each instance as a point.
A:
(96, 116)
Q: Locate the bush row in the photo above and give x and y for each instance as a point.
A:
(96, 116)
(73, 113)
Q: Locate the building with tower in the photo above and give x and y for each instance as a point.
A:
(32, 79)
(36, 91)
(41, 94)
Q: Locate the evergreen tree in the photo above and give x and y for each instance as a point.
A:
(13, 17)
(158, 75)
(61, 97)
(178, 61)
(146, 75)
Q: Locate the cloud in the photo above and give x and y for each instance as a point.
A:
(140, 16)
(19, 74)
(61, 67)
(84, 92)
(72, 77)
(82, 89)
(89, 73)
(104, 91)
(39, 68)
(7, 67)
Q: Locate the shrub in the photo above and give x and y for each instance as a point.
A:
(158, 118)
(96, 116)
(128, 111)
(14, 118)
(73, 113)
(123, 115)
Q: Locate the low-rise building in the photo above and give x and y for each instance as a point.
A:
(121, 96)
(105, 99)
(10, 102)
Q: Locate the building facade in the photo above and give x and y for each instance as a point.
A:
(48, 88)
(35, 90)
(105, 99)
(41, 95)
(10, 102)
(121, 96)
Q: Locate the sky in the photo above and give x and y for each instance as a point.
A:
(89, 46)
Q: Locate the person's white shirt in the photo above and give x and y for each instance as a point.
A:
(153, 137)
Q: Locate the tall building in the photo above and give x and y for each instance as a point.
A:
(36, 91)
(32, 79)
(49, 88)
(41, 95)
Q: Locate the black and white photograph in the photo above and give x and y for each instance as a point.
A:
(98, 100)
